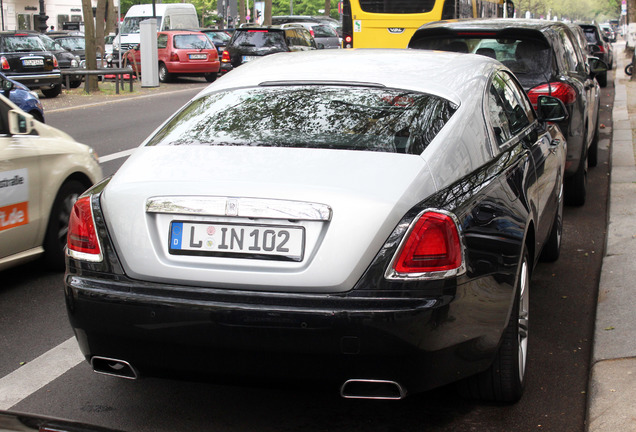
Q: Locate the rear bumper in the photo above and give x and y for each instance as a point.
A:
(36, 81)
(193, 67)
(233, 337)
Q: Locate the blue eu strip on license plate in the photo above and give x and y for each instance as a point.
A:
(176, 235)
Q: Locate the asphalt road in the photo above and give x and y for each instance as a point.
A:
(563, 300)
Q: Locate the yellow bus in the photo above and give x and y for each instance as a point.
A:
(391, 23)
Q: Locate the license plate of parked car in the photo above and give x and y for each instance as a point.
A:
(249, 58)
(198, 56)
(197, 238)
(33, 62)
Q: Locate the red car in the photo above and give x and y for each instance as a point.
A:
(181, 53)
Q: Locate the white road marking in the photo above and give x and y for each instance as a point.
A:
(117, 155)
(34, 375)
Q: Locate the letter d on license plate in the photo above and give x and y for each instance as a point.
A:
(235, 240)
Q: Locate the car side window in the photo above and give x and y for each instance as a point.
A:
(514, 108)
(498, 118)
(570, 57)
(521, 97)
(162, 41)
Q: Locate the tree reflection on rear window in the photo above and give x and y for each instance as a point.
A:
(330, 117)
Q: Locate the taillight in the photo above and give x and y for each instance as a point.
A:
(600, 48)
(174, 57)
(55, 64)
(431, 245)
(348, 41)
(225, 57)
(82, 242)
(559, 90)
(5, 63)
(312, 33)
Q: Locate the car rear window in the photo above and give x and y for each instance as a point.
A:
(324, 31)
(329, 117)
(260, 39)
(521, 56)
(191, 41)
(22, 43)
(397, 6)
(590, 34)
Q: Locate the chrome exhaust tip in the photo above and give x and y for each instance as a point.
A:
(114, 367)
(372, 389)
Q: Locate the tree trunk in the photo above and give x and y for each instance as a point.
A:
(241, 12)
(89, 32)
(327, 7)
(100, 22)
(268, 13)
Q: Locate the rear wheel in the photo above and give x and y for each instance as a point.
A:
(210, 77)
(164, 75)
(602, 79)
(504, 380)
(592, 153)
(55, 237)
(75, 84)
(53, 91)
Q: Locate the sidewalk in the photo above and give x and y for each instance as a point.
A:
(612, 385)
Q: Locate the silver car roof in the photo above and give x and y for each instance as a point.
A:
(444, 74)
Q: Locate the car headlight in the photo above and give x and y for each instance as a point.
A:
(83, 64)
(34, 94)
(74, 63)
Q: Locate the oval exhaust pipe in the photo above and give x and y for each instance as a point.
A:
(114, 367)
(372, 389)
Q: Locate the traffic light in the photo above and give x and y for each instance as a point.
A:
(40, 22)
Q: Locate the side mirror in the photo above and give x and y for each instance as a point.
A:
(20, 123)
(597, 66)
(6, 85)
(551, 109)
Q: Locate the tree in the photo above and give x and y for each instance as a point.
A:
(94, 31)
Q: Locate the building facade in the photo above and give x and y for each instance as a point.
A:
(20, 14)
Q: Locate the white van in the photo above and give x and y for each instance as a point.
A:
(170, 16)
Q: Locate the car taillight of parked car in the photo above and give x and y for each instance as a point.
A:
(5, 63)
(174, 57)
(559, 90)
(432, 245)
(81, 240)
(225, 57)
(55, 63)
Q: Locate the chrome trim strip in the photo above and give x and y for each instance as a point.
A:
(239, 207)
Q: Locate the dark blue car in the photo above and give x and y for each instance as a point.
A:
(27, 100)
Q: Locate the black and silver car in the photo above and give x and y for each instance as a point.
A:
(65, 59)
(24, 58)
(251, 43)
(347, 225)
(547, 59)
(599, 46)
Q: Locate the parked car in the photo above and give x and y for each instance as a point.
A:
(181, 52)
(546, 58)
(324, 35)
(24, 58)
(609, 31)
(388, 249)
(218, 37)
(254, 42)
(72, 41)
(321, 19)
(599, 47)
(27, 100)
(65, 59)
(41, 175)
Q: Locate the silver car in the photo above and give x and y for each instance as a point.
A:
(325, 35)
(352, 226)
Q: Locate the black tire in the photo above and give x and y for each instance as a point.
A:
(164, 75)
(75, 84)
(210, 77)
(53, 91)
(629, 69)
(602, 79)
(576, 185)
(592, 153)
(504, 380)
(552, 247)
(57, 228)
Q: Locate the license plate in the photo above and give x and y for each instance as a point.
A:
(249, 58)
(198, 56)
(33, 62)
(236, 240)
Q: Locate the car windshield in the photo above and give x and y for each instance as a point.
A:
(260, 39)
(590, 34)
(50, 44)
(521, 56)
(22, 43)
(329, 117)
(73, 43)
(191, 41)
(131, 24)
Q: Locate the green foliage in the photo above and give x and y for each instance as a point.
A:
(303, 7)
(574, 10)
